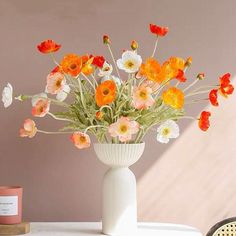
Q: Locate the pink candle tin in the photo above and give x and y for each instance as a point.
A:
(10, 204)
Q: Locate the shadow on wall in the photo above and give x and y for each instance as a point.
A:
(193, 181)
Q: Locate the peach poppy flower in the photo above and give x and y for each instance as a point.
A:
(203, 121)
(41, 107)
(105, 93)
(29, 129)
(55, 83)
(173, 97)
(123, 128)
(142, 97)
(48, 46)
(80, 140)
(71, 64)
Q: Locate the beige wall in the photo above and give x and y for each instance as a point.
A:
(191, 181)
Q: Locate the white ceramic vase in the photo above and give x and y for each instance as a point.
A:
(119, 204)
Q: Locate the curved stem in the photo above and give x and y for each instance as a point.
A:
(112, 56)
(88, 80)
(58, 118)
(54, 132)
(54, 60)
(93, 126)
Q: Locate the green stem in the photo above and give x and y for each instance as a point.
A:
(54, 132)
(155, 47)
(112, 56)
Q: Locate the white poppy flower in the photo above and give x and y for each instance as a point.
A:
(37, 97)
(106, 70)
(62, 95)
(7, 94)
(129, 62)
(113, 78)
(166, 131)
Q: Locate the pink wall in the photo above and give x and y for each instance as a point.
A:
(60, 182)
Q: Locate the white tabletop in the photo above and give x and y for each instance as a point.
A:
(89, 229)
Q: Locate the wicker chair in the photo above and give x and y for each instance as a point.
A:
(225, 227)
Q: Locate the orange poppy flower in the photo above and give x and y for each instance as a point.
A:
(48, 46)
(87, 68)
(176, 65)
(203, 121)
(151, 69)
(225, 87)
(158, 30)
(213, 97)
(105, 93)
(173, 97)
(71, 64)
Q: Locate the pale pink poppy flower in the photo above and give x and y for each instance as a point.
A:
(80, 140)
(55, 83)
(123, 128)
(29, 129)
(41, 107)
(142, 97)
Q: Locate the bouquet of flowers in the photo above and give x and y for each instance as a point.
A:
(116, 108)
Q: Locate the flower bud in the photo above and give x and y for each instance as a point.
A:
(201, 76)
(106, 39)
(99, 115)
(188, 62)
(22, 98)
(134, 45)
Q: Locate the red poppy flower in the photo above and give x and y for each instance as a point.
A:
(158, 30)
(98, 61)
(203, 121)
(213, 97)
(180, 76)
(56, 69)
(225, 87)
(48, 46)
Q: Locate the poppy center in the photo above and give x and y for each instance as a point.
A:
(58, 83)
(73, 66)
(129, 64)
(143, 94)
(82, 139)
(123, 128)
(105, 91)
(165, 131)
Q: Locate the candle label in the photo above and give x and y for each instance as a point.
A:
(8, 205)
